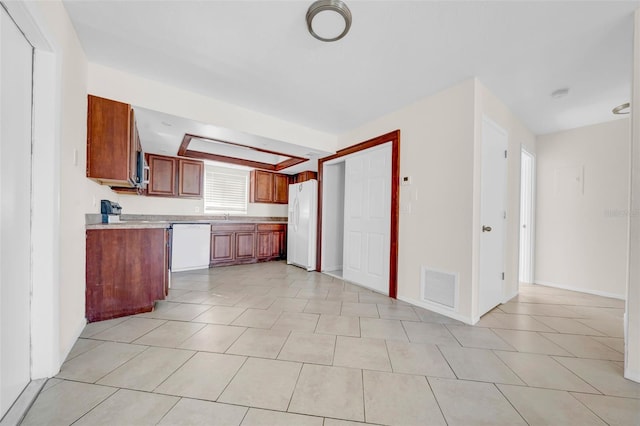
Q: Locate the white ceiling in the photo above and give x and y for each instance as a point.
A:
(258, 54)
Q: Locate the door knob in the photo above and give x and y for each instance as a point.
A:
(486, 228)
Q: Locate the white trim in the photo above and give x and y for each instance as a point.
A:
(75, 336)
(532, 225)
(439, 309)
(581, 290)
(632, 375)
(45, 217)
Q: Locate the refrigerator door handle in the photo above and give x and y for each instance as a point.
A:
(296, 214)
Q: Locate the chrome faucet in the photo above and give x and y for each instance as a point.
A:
(226, 216)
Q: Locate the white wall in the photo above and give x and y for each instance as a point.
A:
(440, 149)
(581, 238)
(632, 312)
(437, 152)
(134, 204)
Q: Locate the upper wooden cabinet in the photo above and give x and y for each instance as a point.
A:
(112, 143)
(162, 175)
(267, 187)
(304, 176)
(190, 178)
(280, 189)
(175, 177)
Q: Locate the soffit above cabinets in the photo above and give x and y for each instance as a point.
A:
(166, 134)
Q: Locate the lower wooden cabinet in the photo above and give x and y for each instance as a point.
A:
(235, 244)
(127, 270)
(271, 241)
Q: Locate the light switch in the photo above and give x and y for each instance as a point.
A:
(405, 180)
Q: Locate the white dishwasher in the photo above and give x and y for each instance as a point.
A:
(190, 246)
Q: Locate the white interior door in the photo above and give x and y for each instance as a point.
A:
(492, 216)
(367, 218)
(527, 191)
(15, 211)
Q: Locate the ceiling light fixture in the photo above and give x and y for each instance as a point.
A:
(622, 109)
(328, 20)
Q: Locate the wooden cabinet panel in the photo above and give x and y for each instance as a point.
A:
(279, 245)
(245, 246)
(111, 149)
(126, 271)
(162, 179)
(263, 243)
(261, 187)
(190, 178)
(222, 247)
(281, 189)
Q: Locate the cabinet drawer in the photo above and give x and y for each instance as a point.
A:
(233, 227)
(271, 227)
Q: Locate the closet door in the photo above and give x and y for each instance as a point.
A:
(15, 211)
(367, 218)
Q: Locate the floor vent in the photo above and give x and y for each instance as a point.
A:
(439, 287)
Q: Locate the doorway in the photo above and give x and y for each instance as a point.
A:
(16, 71)
(527, 209)
(493, 191)
(358, 214)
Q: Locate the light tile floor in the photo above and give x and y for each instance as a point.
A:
(271, 344)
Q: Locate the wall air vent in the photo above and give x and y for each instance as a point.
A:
(439, 287)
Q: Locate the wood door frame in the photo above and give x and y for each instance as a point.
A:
(394, 138)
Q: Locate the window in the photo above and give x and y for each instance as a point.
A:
(225, 190)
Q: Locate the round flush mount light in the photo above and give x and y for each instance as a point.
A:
(328, 20)
(622, 109)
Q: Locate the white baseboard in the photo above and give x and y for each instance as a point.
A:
(69, 345)
(582, 290)
(438, 309)
(633, 375)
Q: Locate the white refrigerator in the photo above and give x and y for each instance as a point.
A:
(302, 225)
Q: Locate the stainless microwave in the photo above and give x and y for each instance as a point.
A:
(142, 178)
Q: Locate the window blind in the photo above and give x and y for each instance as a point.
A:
(225, 190)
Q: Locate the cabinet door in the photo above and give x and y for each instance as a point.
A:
(222, 247)
(190, 178)
(162, 179)
(281, 188)
(109, 144)
(278, 243)
(262, 187)
(245, 246)
(264, 244)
